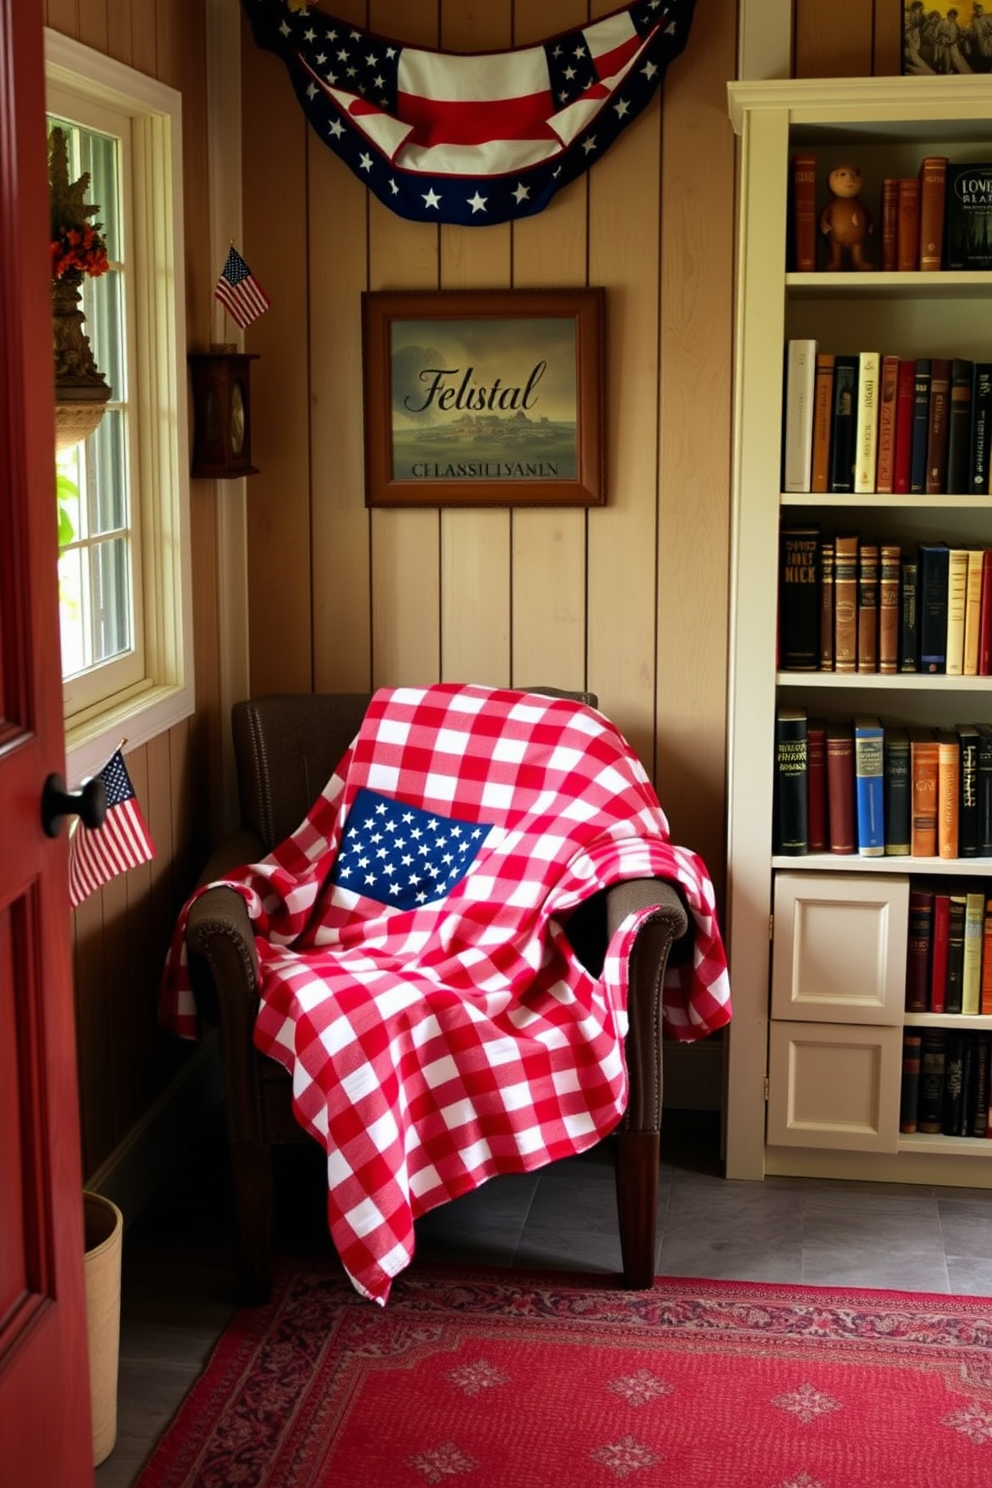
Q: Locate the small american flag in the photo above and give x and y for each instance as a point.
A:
(122, 841)
(239, 291)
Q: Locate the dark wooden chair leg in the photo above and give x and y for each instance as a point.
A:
(638, 1155)
(251, 1165)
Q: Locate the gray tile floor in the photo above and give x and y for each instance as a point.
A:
(179, 1288)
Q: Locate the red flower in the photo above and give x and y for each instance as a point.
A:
(81, 248)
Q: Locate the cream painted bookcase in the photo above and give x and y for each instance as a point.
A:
(818, 943)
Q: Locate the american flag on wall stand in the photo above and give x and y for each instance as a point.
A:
(122, 841)
(239, 291)
(467, 138)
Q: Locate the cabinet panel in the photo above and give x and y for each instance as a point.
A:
(839, 950)
(833, 1085)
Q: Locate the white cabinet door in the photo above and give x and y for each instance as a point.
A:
(835, 1086)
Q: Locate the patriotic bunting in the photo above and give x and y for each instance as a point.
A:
(471, 138)
(239, 291)
(122, 841)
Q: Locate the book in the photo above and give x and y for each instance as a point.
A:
(799, 599)
(957, 591)
(948, 789)
(972, 612)
(968, 798)
(908, 641)
(938, 951)
(889, 574)
(885, 462)
(933, 181)
(971, 975)
(841, 814)
(921, 427)
(952, 1119)
(938, 431)
(816, 777)
(918, 944)
(908, 224)
(905, 404)
(955, 954)
(932, 559)
(846, 602)
(978, 1115)
(909, 1094)
(843, 426)
(981, 427)
(823, 412)
(895, 775)
(923, 786)
(968, 225)
(803, 255)
(797, 444)
(869, 783)
(867, 605)
(791, 787)
(890, 224)
(985, 617)
(985, 995)
(984, 789)
(930, 1111)
(959, 427)
(826, 604)
(866, 421)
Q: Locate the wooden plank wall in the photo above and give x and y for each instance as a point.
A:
(120, 934)
(629, 601)
(848, 38)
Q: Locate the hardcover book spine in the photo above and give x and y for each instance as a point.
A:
(933, 180)
(868, 606)
(890, 564)
(804, 213)
(938, 433)
(909, 1097)
(844, 424)
(921, 428)
(840, 789)
(890, 225)
(933, 561)
(866, 425)
(918, 950)
(959, 429)
(908, 603)
(938, 959)
(952, 1121)
(885, 465)
(816, 767)
(930, 1114)
(957, 592)
(978, 1119)
(908, 223)
(969, 217)
(985, 617)
(827, 605)
(981, 426)
(984, 788)
(846, 602)
(869, 759)
(948, 790)
(905, 404)
(799, 599)
(823, 411)
(923, 781)
(800, 373)
(973, 611)
(986, 992)
(792, 786)
(897, 792)
(968, 805)
(971, 976)
(955, 955)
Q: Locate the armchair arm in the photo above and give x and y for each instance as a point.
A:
(648, 962)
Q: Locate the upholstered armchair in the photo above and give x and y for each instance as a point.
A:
(286, 747)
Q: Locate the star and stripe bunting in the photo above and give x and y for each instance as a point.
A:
(465, 138)
(439, 1038)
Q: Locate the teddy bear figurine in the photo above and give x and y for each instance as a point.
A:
(845, 221)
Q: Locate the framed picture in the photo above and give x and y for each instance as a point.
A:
(484, 397)
(943, 38)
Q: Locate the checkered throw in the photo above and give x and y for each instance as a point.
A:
(415, 977)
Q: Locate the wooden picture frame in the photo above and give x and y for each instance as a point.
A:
(483, 397)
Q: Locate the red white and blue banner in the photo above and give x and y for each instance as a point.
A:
(472, 138)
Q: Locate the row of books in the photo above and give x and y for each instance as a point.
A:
(941, 218)
(849, 603)
(949, 948)
(945, 1082)
(877, 789)
(872, 423)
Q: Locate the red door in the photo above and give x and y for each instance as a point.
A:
(45, 1434)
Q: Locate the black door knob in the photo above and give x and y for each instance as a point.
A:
(89, 804)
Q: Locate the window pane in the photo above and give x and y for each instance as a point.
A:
(105, 475)
(111, 601)
(71, 612)
(104, 325)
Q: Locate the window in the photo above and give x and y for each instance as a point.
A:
(124, 564)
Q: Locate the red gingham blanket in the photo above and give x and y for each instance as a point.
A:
(415, 978)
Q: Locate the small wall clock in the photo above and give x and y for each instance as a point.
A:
(221, 414)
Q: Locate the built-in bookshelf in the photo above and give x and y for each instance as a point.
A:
(818, 941)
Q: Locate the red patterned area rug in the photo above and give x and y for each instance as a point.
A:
(509, 1380)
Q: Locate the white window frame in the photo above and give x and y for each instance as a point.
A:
(165, 693)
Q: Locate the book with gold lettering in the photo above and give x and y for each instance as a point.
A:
(799, 599)
(923, 787)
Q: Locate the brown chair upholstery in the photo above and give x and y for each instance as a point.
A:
(286, 746)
